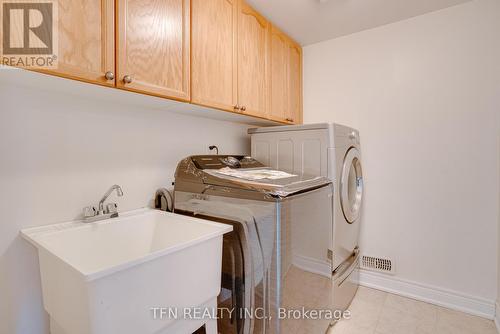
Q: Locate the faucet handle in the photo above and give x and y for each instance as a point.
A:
(111, 208)
(89, 211)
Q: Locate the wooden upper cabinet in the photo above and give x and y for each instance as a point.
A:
(253, 59)
(216, 53)
(286, 79)
(86, 48)
(153, 46)
(213, 53)
(294, 110)
(279, 76)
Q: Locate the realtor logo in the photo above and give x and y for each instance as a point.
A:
(29, 33)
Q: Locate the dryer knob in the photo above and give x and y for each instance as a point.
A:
(352, 135)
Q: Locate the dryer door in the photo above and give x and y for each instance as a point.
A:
(351, 185)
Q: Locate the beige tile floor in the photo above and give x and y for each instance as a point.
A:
(377, 312)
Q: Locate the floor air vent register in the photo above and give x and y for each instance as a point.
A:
(378, 264)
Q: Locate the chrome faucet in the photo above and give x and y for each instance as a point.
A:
(90, 213)
(119, 192)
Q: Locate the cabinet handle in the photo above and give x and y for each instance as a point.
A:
(109, 76)
(237, 107)
(243, 108)
(289, 120)
(127, 79)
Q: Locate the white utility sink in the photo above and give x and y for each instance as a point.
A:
(106, 277)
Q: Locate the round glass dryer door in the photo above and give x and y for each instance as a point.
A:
(351, 185)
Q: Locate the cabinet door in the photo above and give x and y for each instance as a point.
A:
(253, 53)
(279, 72)
(213, 53)
(294, 110)
(86, 49)
(153, 47)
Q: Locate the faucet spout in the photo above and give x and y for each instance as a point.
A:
(116, 188)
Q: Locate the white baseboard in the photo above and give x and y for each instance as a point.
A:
(497, 317)
(433, 295)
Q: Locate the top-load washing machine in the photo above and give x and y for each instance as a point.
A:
(275, 263)
(333, 151)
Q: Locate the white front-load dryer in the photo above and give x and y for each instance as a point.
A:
(345, 155)
(334, 151)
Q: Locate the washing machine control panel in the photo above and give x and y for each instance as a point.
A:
(221, 161)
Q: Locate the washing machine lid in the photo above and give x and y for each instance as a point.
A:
(239, 172)
(265, 180)
(351, 185)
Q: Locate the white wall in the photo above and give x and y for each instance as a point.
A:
(497, 305)
(425, 95)
(60, 152)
